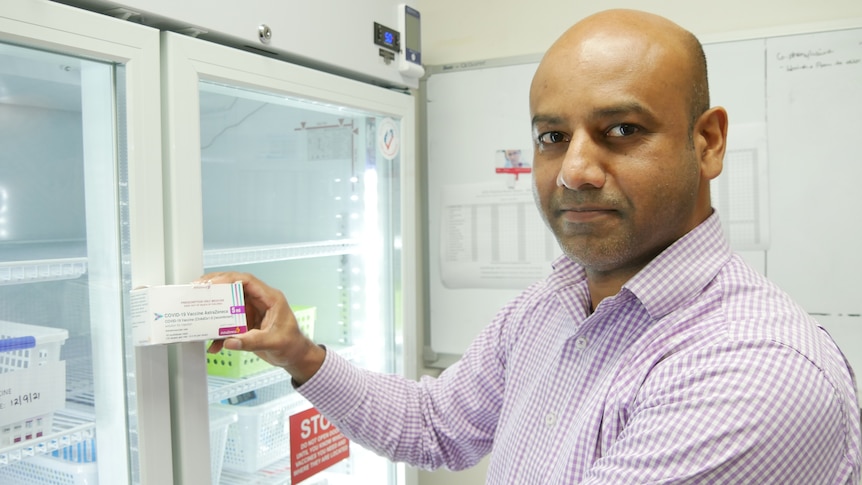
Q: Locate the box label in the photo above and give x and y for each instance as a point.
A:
(315, 445)
(231, 330)
(186, 313)
(32, 392)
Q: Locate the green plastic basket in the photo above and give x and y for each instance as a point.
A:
(236, 364)
(305, 317)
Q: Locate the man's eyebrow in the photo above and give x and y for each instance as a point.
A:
(646, 115)
(599, 113)
(620, 109)
(547, 119)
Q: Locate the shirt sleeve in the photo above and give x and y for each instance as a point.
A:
(742, 412)
(446, 421)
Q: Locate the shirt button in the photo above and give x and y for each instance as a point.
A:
(550, 419)
(581, 343)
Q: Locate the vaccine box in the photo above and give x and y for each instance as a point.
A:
(187, 313)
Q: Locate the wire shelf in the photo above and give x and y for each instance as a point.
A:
(68, 429)
(18, 272)
(221, 388)
(263, 254)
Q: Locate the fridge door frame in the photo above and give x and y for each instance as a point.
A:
(299, 32)
(58, 28)
(187, 60)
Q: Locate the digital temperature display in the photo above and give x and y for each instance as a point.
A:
(386, 37)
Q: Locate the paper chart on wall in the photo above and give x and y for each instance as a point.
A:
(492, 236)
(741, 193)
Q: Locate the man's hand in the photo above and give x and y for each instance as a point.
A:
(273, 334)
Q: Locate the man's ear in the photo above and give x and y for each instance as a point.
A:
(710, 141)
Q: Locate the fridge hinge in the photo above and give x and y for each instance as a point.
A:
(192, 31)
(122, 13)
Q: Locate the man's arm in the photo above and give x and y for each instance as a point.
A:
(427, 424)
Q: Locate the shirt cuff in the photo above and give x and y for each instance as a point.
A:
(337, 388)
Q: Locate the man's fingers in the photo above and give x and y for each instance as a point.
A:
(233, 343)
(215, 347)
(251, 341)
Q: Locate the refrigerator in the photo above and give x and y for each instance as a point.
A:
(306, 180)
(80, 224)
(135, 156)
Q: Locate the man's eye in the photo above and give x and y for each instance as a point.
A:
(551, 137)
(623, 129)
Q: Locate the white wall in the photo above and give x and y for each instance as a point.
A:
(465, 30)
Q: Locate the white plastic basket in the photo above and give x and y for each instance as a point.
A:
(220, 421)
(23, 346)
(45, 470)
(261, 434)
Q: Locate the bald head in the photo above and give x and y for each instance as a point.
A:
(625, 143)
(629, 36)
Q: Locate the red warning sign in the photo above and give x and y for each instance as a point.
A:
(315, 445)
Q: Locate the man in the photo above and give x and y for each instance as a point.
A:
(651, 353)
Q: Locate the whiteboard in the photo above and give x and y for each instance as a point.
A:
(471, 114)
(788, 196)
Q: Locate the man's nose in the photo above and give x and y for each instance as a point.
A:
(582, 167)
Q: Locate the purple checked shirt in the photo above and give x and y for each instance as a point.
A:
(698, 371)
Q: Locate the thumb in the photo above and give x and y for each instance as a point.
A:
(232, 343)
(251, 341)
(267, 345)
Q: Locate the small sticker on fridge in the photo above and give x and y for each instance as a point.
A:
(388, 139)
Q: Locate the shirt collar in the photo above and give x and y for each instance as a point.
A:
(683, 270)
(675, 276)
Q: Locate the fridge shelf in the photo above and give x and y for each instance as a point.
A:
(33, 262)
(221, 388)
(282, 252)
(68, 429)
(17, 272)
(278, 473)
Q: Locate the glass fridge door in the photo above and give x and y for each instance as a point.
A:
(303, 181)
(69, 173)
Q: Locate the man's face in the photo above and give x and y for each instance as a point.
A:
(615, 173)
